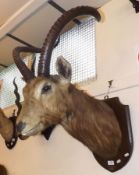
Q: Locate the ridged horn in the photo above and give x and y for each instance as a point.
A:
(45, 57)
(27, 74)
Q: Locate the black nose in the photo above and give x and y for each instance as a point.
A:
(20, 126)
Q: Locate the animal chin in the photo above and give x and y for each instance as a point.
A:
(23, 137)
(34, 131)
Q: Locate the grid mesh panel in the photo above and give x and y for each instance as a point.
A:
(7, 97)
(77, 46)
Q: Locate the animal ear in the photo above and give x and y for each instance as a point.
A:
(63, 68)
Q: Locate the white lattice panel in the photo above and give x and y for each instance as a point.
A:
(77, 46)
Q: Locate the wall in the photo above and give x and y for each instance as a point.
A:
(117, 49)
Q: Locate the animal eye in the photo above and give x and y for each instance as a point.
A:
(46, 88)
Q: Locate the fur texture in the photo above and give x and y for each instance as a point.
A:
(55, 100)
(6, 127)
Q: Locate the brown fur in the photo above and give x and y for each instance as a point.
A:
(3, 170)
(87, 119)
(6, 127)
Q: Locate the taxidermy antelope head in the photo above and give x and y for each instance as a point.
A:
(6, 127)
(52, 99)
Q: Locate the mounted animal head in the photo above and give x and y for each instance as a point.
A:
(6, 127)
(45, 96)
(46, 51)
(7, 124)
(52, 99)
